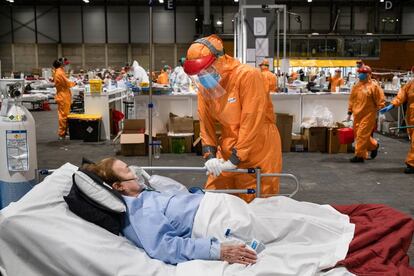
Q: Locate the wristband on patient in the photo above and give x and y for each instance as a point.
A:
(254, 244)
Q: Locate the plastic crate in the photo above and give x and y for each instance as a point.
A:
(91, 130)
(95, 86)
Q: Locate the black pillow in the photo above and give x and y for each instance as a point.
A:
(88, 209)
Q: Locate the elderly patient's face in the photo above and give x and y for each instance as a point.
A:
(128, 184)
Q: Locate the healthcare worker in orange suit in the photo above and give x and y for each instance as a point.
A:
(366, 99)
(269, 77)
(164, 77)
(336, 80)
(63, 95)
(406, 95)
(234, 95)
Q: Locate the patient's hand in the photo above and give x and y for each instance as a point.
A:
(237, 253)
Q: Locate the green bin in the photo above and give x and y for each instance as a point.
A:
(178, 145)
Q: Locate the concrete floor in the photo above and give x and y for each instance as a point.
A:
(325, 179)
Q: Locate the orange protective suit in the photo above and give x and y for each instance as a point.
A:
(406, 95)
(336, 82)
(163, 78)
(365, 100)
(63, 99)
(270, 80)
(246, 115)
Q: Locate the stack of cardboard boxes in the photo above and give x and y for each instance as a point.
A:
(133, 140)
(180, 133)
(284, 123)
(324, 139)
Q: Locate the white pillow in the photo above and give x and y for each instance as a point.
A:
(98, 193)
(167, 185)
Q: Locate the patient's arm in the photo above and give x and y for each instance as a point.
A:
(154, 233)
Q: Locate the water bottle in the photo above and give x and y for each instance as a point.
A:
(156, 145)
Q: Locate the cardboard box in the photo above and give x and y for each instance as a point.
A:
(299, 143)
(133, 142)
(284, 123)
(180, 124)
(333, 142)
(316, 137)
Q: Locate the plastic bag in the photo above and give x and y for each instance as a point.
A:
(141, 108)
(321, 117)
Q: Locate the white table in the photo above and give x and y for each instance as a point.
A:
(100, 103)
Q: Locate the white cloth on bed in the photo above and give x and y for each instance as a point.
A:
(301, 238)
(34, 97)
(39, 235)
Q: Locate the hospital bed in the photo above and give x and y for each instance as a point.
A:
(39, 235)
(36, 100)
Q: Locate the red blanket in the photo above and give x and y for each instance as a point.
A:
(381, 241)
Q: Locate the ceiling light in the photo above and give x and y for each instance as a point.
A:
(86, 1)
(196, 19)
(309, 1)
(161, 1)
(315, 33)
(219, 22)
(382, 1)
(369, 33)
(236, 1)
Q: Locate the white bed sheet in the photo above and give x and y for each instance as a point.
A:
(34, 97)
(39, 235)
(301, 238)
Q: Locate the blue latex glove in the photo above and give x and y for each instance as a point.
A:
(386, 109)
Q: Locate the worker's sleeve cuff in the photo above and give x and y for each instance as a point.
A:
(215, 249)
(349, 112)
(209, 152)
(234, 158)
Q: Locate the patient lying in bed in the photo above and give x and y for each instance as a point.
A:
(161, 223)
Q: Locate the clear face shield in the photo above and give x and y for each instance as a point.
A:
(208, 83)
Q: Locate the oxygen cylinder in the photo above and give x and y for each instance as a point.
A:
(18, 152)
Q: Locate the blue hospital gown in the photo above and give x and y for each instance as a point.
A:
(161, 224)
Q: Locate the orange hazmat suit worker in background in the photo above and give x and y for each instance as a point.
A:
(234, 95)
(164, 77)
(365, 100)
(406, 95)
(63, 94)
(269, 78)
(336, 80)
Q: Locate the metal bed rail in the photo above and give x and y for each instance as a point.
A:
(256, 171)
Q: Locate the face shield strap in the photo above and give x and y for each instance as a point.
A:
(210, 46)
